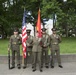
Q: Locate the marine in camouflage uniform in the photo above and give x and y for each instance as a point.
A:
(14, 45)
(55, 39)
(29, 48)
(36, 51)
(45, 44)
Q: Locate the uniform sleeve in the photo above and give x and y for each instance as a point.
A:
(59, 39)
(10, 43)
(20, 40)
(48, 40)
(29, 42)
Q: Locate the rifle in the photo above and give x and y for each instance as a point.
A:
(9, 60)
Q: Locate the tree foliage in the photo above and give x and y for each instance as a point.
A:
(11, 12)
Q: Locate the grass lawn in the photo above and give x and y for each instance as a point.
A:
(4, 47)
(68, 45)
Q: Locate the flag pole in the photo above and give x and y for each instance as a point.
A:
(22, 47)
(22, 57)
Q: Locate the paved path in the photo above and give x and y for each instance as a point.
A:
(64, 58)
(69, 68)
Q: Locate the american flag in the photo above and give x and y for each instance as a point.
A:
(24, 34)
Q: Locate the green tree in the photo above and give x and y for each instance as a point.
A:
(11, 13)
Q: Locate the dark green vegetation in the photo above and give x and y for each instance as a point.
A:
(11, 12)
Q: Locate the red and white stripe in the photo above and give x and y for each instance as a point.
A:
(24, 38)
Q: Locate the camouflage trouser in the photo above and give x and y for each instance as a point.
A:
(28, 54)
(53, 56)
(45, 56)
(36, 58)
(13, 57)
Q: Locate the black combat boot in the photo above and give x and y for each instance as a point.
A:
(34, 70)
(47, 66)
(24, 67)
(19, 67)
(52, 66)
(41, 70)
(60, 66)
(12, 67)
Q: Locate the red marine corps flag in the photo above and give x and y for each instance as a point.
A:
(24, 35)
(38, 26)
